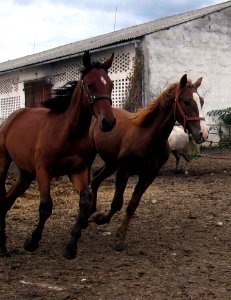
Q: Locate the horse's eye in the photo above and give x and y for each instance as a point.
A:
(90, 86)
(186, 103)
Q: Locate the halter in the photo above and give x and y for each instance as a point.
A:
(185, 117)
(92, 98)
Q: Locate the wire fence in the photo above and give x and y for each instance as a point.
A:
(219, 134)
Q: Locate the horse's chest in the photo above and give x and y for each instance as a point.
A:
(143, 159)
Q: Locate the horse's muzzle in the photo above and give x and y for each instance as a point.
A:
(200, 138)
(107, 125)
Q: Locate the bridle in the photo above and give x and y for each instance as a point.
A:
(93, 98)
(185, 117)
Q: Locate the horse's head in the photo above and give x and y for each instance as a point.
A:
(188, 109)
(97, 89)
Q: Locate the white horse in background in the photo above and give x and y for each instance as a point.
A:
(182, 144)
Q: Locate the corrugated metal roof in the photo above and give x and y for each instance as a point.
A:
(73, 49)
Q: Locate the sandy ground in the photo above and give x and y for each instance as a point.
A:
(178, 244)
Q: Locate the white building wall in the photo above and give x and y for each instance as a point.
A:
(200, 48)
(119, 73)
(12, 94)
(9, 94)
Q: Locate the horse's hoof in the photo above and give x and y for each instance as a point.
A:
(119, 246)
(119, 241)
(70, 252)
(30, 245)
(179, 171)
(99, 219)
(4, 252)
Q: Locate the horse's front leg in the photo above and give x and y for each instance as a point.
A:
(121, 181)
(81, 182)
(98, 177)
(141, 186)
(45, 209)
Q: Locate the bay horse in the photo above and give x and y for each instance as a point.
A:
(52, 141)
(138, 145)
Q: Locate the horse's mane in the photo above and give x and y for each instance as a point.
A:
(61, 97)
(144, 115)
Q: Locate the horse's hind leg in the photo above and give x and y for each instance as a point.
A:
(117, 202)
(4, 165)
(17, 189)
(177, 157)
(45, 209)
(22, 183)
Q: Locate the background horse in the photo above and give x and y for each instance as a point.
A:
(138, 145)
(53, 141)
(182, 144)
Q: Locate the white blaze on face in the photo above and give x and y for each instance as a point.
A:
(203, 125)
(104, 82)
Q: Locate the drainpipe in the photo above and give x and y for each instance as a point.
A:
(137, 42)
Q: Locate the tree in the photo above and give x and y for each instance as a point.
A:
(133, 100)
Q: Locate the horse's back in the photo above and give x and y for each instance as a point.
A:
(23, 116)
(23, 122)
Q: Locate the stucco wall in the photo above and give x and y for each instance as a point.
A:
(200, 48)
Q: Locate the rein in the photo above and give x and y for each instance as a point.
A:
(185, 117)
(92, 98)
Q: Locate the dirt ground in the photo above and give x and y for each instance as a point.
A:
(178, 245)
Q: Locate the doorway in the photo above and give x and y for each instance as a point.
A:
(37, 91)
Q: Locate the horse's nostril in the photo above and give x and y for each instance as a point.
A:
(104, 122)
(107, 125)
(202, 139)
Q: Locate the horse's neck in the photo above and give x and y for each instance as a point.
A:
(167, 123)
(77, 116)
(161, 122)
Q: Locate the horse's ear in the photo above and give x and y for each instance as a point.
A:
(86, 60)
(107, 64)
(183, 81)
(198, 82)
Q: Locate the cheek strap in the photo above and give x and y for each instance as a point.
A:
(184, 116)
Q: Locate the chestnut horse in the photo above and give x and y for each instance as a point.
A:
(138, 145)
(52, 141)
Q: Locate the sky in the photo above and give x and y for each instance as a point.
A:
(32, 26)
